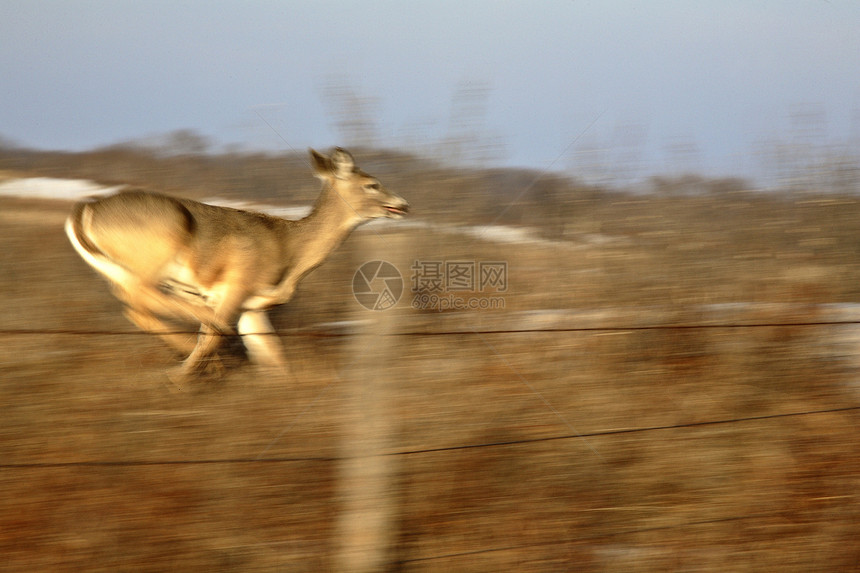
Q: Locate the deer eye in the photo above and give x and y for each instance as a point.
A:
(372, 186)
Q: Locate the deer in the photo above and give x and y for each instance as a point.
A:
(171, 259)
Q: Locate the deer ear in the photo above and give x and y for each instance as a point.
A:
(321, 164)
(343, 165)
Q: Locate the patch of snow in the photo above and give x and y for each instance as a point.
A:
(76, 189)
(502, 234)
(52, 188)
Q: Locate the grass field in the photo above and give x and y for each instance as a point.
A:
(640, 443)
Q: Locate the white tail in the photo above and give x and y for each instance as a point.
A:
(169, 258)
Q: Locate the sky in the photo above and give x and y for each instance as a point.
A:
(642, 86)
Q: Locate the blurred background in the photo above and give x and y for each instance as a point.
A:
(665, 379)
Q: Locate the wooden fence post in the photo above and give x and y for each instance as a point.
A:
(366, 531)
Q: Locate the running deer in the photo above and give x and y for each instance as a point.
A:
(169, 258)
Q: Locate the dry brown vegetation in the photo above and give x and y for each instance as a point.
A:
(587, 450)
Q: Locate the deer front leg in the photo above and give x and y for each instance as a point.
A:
(260, 339)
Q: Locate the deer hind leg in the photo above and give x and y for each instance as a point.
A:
(145, 305)
(182, 342)
(202, 357)
(215, 321)
(260, 339)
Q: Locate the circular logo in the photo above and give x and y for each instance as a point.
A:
(377, 285)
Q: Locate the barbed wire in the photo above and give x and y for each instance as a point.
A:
(473, 331)
(619, 431)
(411, 452)
(151, 463)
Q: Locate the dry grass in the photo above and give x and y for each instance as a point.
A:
(755, 495)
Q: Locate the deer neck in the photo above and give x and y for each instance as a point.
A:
(330, 221)
(317, 235)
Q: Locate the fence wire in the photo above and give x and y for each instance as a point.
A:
(412, 452)
(464, 331)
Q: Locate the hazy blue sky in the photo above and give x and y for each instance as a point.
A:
(655, 82)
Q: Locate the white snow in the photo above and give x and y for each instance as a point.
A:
(52, 188)
(76, 189)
